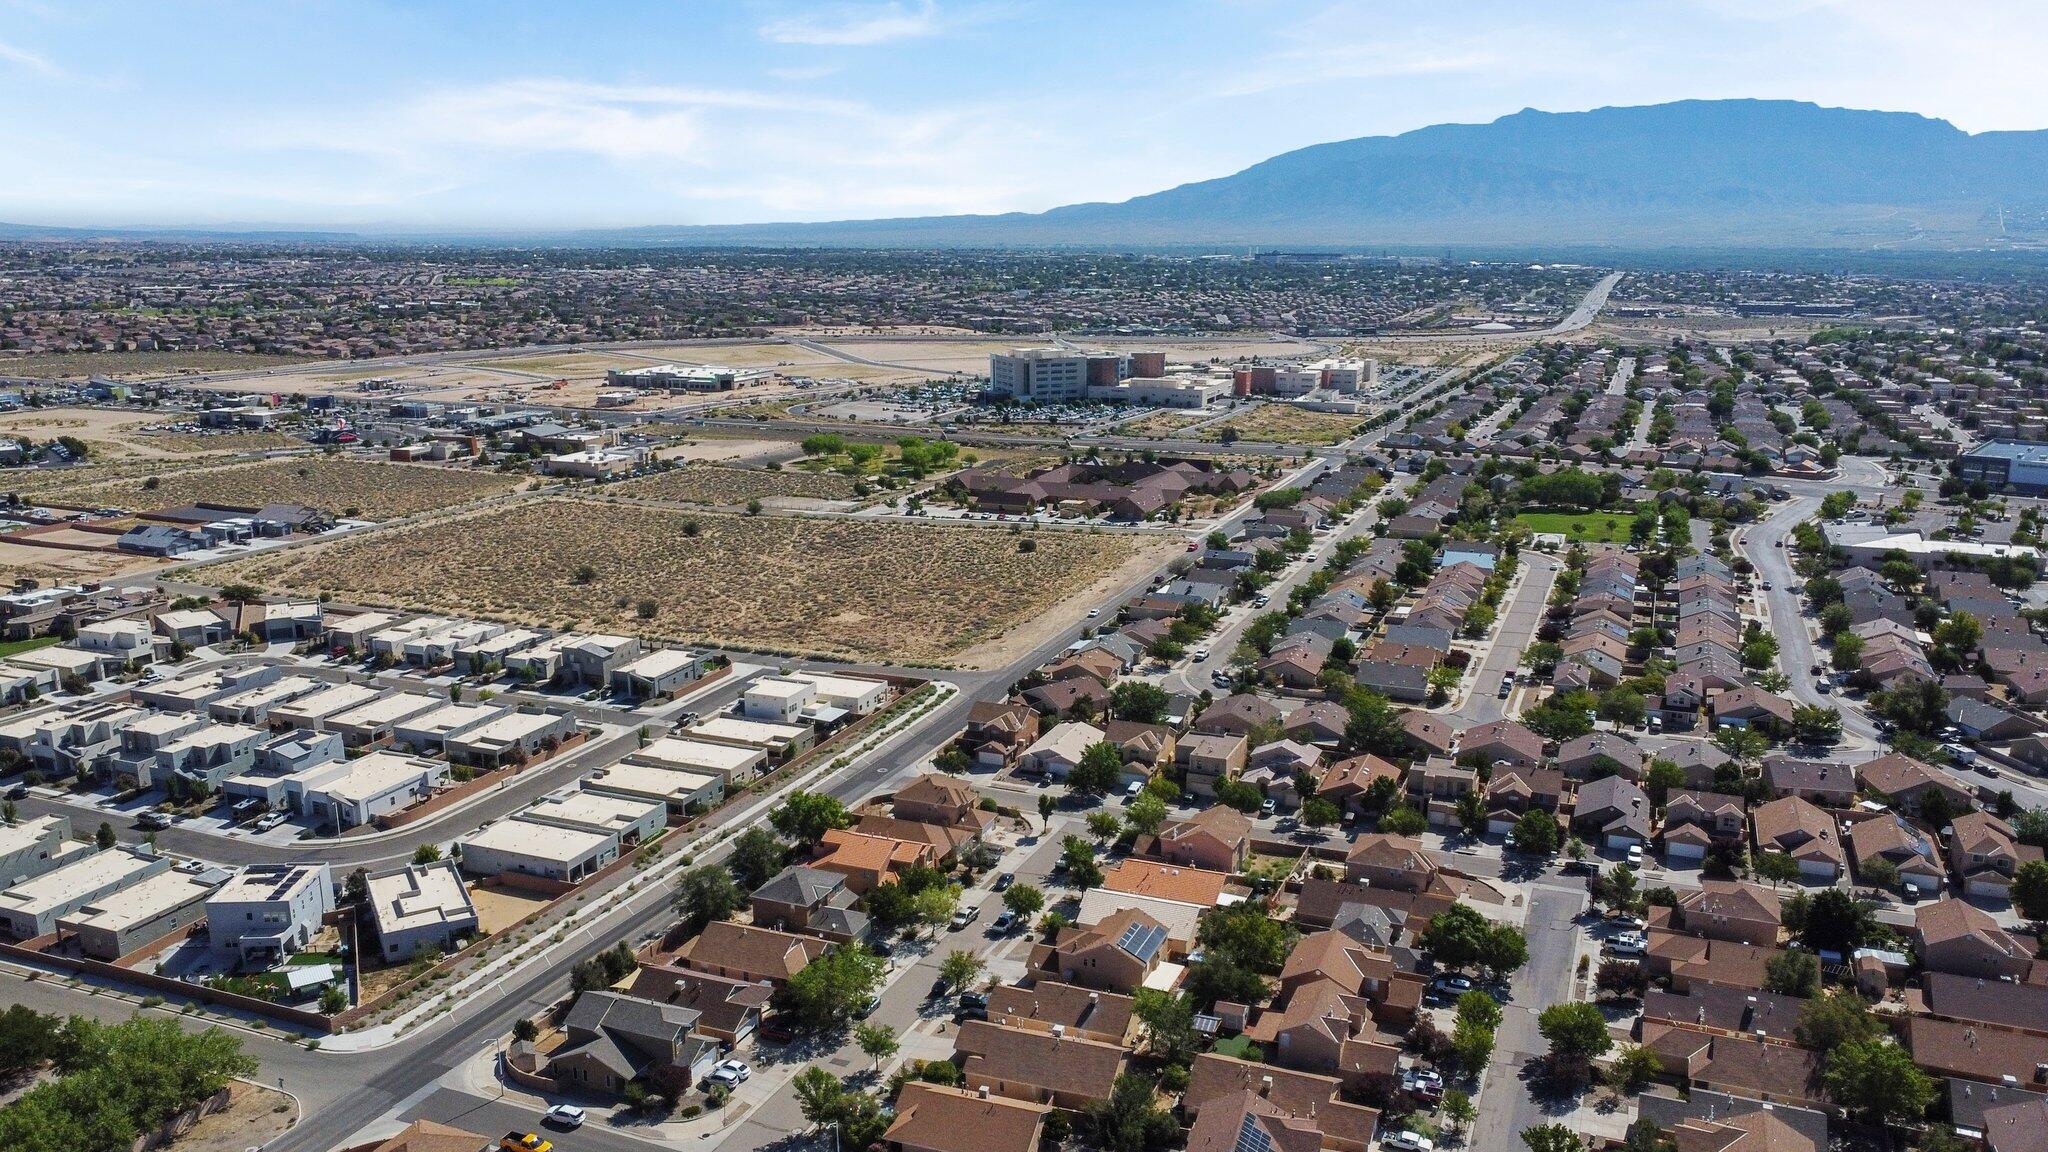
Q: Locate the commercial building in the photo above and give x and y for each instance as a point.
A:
(419, 907)
(1041, 375)
(549, 852)
(2019, 466)
(119, 921)
(270, 910)
(686, 377)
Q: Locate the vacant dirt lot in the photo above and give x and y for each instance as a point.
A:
(1285, 424)
(709, 484)
(83, 364)
(354, 488)
(835, 586)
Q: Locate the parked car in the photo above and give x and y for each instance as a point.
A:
(564, 1116)
(268, 821)
(1201, 654)
(1003, 922)
(1004, 881)
(1635, 855)
(731, 1073)
(1266, 806)
(153, 820)
(965, 916)
(1628, 944)
(1408, 1142)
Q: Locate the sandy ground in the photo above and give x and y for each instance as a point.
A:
(731, 451)
(118, 434)
(255, 1116)
(17, 560)
(499, 908)
(1021, 640)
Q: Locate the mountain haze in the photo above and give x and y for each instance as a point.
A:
(1694, 173)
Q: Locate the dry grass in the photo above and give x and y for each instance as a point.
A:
(83, 364)
(835, 586)
(1159, 425)
(193, 443)
(1285, 424)
(710, 484)
(354, 488)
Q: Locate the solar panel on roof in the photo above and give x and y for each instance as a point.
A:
(1142, 940)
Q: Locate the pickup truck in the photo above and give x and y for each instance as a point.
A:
(517, 1141)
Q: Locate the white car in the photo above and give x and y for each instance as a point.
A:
(268, 821)
(1628, 944)
(1409, 1142)
(731, 1073)
(1635, 855)
(564, 1116)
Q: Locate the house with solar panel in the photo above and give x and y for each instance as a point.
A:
(1122, 953)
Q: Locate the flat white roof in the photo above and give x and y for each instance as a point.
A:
(448, 718)
(423, 894)
(848, 687)
(61, 658)
(361, 623)
(71, 882)
(510, 727)
(374, 775)
(270, 883)
(329, 701)
(275, 692)
(183, 618)
(167, 724)
(781, 688)
(549, 842)
(25, 833)
(139, 903)
(385, 710)
(592, 810)
(672, 785)
(686, 753)
(757, 732)
(213, 734)
(661, 662)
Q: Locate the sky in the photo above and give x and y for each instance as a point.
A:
(604, 113)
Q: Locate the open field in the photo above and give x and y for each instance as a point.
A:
(710, 484)
(19, 560)
(572, 365)
(831, 586)
(1158, 425)
(79, 365)
(117, 434)
(1581, 527)
(1284, 424)
(499, 907)
(357, 489)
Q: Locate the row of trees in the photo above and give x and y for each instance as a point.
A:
(115, 1081)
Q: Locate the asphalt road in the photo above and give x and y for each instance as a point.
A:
(1506, 1104)
(1514, 631)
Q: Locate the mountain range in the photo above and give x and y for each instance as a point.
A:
(1690, 174)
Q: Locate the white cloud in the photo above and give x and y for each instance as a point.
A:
(25, 59)
(856, 24)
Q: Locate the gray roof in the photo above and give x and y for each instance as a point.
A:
(800, 886)
(624, 1033)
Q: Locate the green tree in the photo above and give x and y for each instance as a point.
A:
(1480, 1008)
(1455, 936)
(1835, 1018)
(1777, 867)
(1138, 701)
(1023, 900)
(1663, 778)
(1879, 1080)
(1552, 1138)
(756, 857)
(27, 1037)
(806, 816)
(1502, 950)
(1147, 814)
(1079, 857)
(1472, 1045)
(1104, 825)
(959, 968)
(1459, 1111)
(824, 993)
(705, 893)
(105, 839)
(424, 854)
(1130, 1120)
(2030, 889)
(1169, 1019)
(1248, 935)
(935, 905)
(1101, 766)
(1635, 1066)
(1791, 973)
(1577, 1032)
(817, 1095)
(1319, 813)
(1536, 831)
(876, 1042)
(1046, 804)
(1403, 821)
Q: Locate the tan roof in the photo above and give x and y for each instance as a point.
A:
(1220, 1079)
(1797, 827)
(962, 1120)
(1224, 823)
(938, 789)
(1950, 919)
(1228, 1124)
(1065, 1064)
(1050, 1002)
(1391, 853)
(1165, 881)
(1955, 1048)
(1758, 1131)
(1733, 899)
(761, 952)
(427, 1136)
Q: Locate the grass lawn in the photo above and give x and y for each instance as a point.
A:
(16, 647)
(1238, 1048)
(1582, 527)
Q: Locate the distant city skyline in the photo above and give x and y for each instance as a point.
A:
(520, 115)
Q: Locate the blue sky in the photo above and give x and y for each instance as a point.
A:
(586, 112)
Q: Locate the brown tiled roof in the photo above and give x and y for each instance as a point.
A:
(938, 789)
(427, 1136)
(1799, 828)
(1050, 1002)
(962, 1120)
(1733, 899)
(1950, 1047)
(1165, 881)
(1221, 1078)
(1950, 919)
(1228, 1120)
(758, 951)
(1065, 1064)
(2018, 1127)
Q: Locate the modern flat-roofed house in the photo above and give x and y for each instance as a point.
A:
(591, 660)
(312, 711)
(781, 741)
(512, 738)
(199, 690)
(427, 732)
(657, 675)
(192, 627)
(725, 761)
(777, 699)
(129, 640)
(70, 741)
(352, 633)
(373, 723)
(32, 907)
(551, 852)
(488, 654)
(36, 845)
(419, 907)
(207, 756)
(678, 790)
(269, 911)
(20, 684)
(254, 705)
(630, 820)
(118, 922)
(353, 793)
(856, 695)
